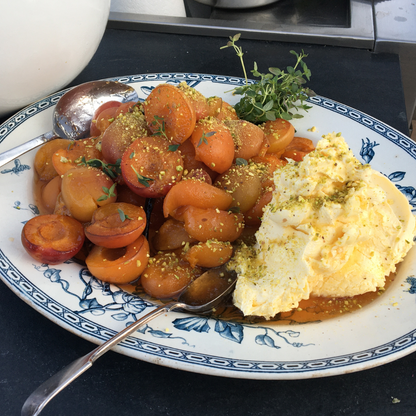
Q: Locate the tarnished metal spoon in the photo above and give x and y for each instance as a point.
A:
(73, 114)
(202, 295)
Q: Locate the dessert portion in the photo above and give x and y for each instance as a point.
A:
(334, 228)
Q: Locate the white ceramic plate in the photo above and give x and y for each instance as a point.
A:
(68, 295)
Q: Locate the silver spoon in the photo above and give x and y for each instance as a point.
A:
(73, 114)
(203, 294)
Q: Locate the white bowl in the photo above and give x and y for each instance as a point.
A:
(44, 45)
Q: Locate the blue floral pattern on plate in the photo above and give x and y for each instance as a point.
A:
(71, 297)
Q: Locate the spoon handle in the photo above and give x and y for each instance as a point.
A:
(20, 150)
(35, 403)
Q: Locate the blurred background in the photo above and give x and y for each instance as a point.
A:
(52, 56)
(377, 26)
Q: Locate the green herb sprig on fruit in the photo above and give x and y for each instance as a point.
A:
(276, 94)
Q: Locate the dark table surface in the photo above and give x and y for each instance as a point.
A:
(32, 348)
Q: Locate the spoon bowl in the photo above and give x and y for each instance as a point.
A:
(202, 295)
(73, 114)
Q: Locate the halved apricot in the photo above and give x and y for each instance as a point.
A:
(211, 253)
(248, 138)
(171, 235)
(167, 275)
(126, 128)
(279, 132)
(94, 130)
(209, 224)
(168, 108)
(198, 101)
(84, 189)
(116, 225)
(43, 159)
(119, 265)
(190, 163)
(75, 153)
(226, 112)
(52, 238)
(150, 167)
(253, 216)
(298, 148)
(50, 194)
(243, 183)
(213, 144)
(196, 193)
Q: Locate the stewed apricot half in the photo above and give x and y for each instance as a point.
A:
(213, 143)
(150, 167)
(171, 236)
(211, 253)
(168, 108)
(210, 223)
(84, 189)
(52, 239)
(167, 275)
(119, 265)
(279, 133)
(196, 193)
(116, 225)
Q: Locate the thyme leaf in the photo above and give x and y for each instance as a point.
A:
(204, 136)
(108, 193)
(241, 162)
(143, 180)
(123, 215)
(173, 147)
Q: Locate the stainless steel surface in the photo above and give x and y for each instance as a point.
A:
(395, 29)
(37, 401)
(236, 4)
(266, 23)
(73, 114)
(377, 26)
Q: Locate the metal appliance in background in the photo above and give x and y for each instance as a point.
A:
(375, 25)
(236, 4)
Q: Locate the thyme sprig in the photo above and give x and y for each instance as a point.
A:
(143, 180)
(110, 169)
(108, 192)
(160, 123)
(276, 94)
(238, 50)
(204, 137)
(161, 131)
(123, 215)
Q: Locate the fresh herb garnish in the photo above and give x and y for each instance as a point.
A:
(123, 215)
(160, 123)
(241, 162)
(110, 169)
(173, 147)
(108, 193)
(238, 51)
(276, 94)
(204, 136)
(143, 180)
